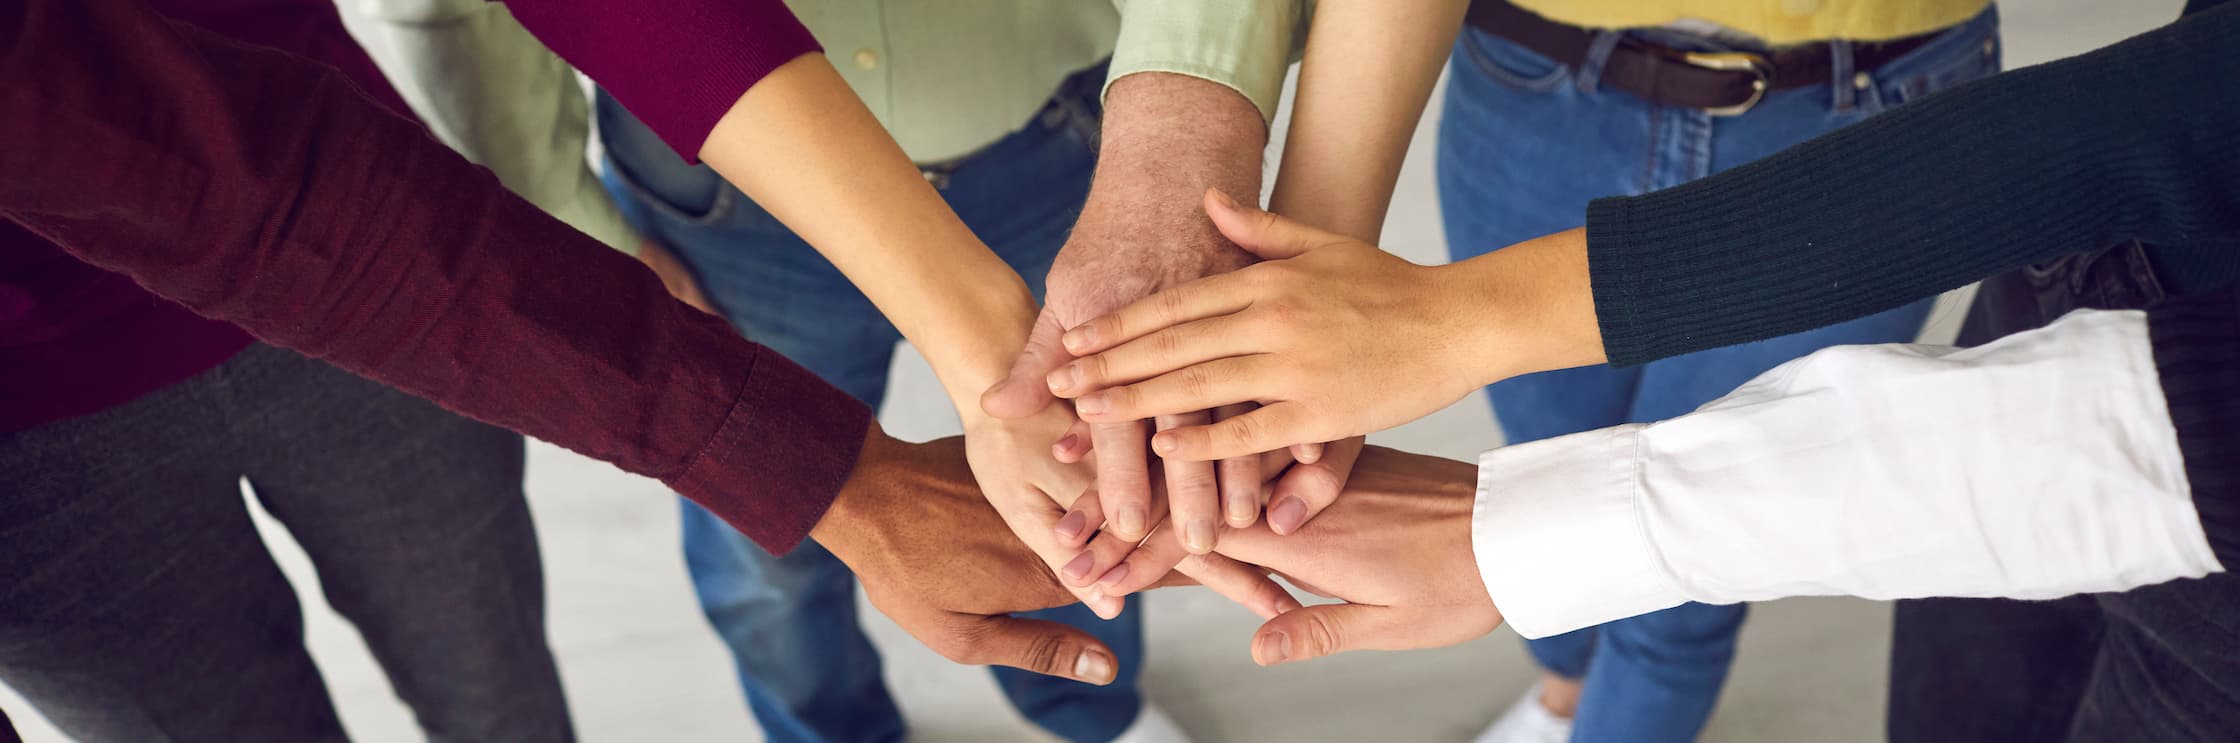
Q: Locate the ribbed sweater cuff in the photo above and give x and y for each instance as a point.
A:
(2197, 353)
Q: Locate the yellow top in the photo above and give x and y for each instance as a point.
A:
(1775, 21)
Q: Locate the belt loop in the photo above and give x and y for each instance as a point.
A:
(1598, 54)
(1844, 90)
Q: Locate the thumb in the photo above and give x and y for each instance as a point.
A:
(1041, 646)
(1263, 233)
(1026, 391)
(1321, 630)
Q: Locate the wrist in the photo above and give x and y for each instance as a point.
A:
(846, 522)
(977, 336)
(1167, 138)
(1531, 309)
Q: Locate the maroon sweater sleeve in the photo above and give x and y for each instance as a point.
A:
(678, 65)
(263, 189)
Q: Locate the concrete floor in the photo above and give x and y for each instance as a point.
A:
(640, 665)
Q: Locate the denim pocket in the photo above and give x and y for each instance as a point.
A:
(1510, 64)
(1966, 54)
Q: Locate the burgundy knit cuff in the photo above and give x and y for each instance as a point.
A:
(780, 457)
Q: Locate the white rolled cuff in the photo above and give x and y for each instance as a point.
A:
(1558, 535)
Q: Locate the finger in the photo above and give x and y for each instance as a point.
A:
(1123, 477)
(1307, 453)
(1270, 428)
(1072, 446)
(1191, 497)
(1272, 466)
(1034, 518)
(1263, 233)
(1145, 567)
(1082, 520)
(1309, 488)
(1239, 478)
(1164, 351)
(1022, 392)
(1329, 629)
(1187, 390)
(1212, 296)
(1247, 585)
(1044, 647)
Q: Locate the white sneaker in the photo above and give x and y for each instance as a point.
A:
(1152, 725)
(1527, 722)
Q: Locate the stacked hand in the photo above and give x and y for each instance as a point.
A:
(1328, 338)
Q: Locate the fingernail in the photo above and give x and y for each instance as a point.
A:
(1091, 405)
(1197, 536)
(1080, 566)
(1278, 647)
(1113, 577)
(1287, 515)
(1064, 379)
(1080, 338)
(1093, 667)
(1070, 528)
(1241, 509)
(1164, 444)
(1070, 441)
(1131, 522)
(1223, 199)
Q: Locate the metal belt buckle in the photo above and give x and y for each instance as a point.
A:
(1750, 62)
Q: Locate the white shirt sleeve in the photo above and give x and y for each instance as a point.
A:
(2043, 464)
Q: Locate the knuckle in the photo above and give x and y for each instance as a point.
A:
(1042, 654)
(1094, 369)
(1166, 345)
(1195, 382)
(1171, 305)
(1323, 634)
(1242, 431)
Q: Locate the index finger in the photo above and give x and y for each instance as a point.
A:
(1219, 294)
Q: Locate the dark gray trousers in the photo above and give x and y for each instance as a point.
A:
(138, 604)
(2154, 664)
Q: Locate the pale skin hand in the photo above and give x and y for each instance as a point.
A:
(1396, 549)
(802, 145)
(1166, 138)
(1369, 68)
(1333, 336)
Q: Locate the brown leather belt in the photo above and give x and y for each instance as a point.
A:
(1722, 83)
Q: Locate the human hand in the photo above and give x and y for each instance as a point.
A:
(932, 555)
(1032, 491)
(675, 276)
(1396, 549)
(1333, 336)
(1166, 138)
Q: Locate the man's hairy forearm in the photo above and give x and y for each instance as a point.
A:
(1168, 138)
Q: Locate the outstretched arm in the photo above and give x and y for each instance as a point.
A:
(2042, 465)
(2137, 141)
(259, 188)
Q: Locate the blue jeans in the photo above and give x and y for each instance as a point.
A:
(809, 672)
(1524, 144)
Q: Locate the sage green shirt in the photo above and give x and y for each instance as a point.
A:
(950, 77)
(946, 77)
